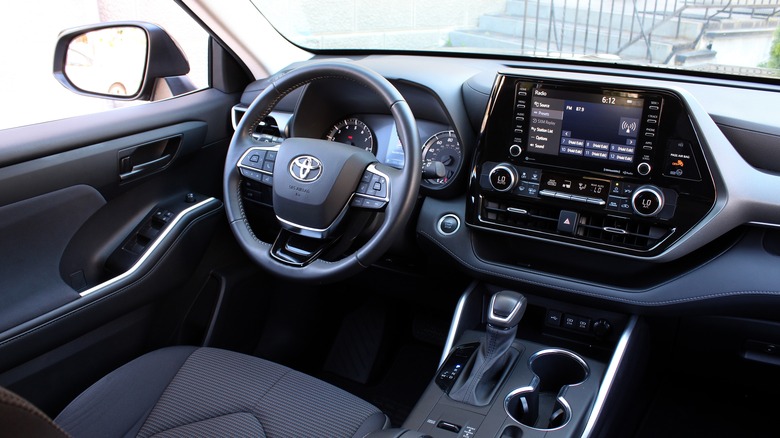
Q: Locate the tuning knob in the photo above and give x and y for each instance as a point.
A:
(647, 201)
(644, 168)
(503, 177)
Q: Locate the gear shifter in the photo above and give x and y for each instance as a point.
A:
(494, 357)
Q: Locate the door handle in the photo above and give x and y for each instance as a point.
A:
(149, 166)
(147, 158)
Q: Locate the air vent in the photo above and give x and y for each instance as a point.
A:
(268, 126)
(517, 215)
(620, 231)
(598, 228)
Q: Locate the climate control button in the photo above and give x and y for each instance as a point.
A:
(503, 177)
(647, 201)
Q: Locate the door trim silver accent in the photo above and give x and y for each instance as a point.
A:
(149, 252)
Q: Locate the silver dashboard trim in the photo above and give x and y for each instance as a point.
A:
(609, 377)
(455, 324)
(238, 108)
(764, 224)
(148, 253)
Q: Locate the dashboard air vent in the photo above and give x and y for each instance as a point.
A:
(600, 228)
(267, 127)
(620, 231)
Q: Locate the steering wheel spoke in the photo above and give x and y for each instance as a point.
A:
(296, 250)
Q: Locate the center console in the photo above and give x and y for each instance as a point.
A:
(596, 166)
(563, 366)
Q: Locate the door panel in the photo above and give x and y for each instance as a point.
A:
(35, 232)
(83, 241)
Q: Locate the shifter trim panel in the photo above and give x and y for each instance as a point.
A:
(449, 372)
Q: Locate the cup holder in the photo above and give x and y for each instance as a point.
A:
(542, 405)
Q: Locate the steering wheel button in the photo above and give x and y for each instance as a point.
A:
(373, 204)
(254, 159)
(270, 155)
(366, 177)
(357, 201)
(268, 166)
(251, 174)
(363, 188)
(267, 179)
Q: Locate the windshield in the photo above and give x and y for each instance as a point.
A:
(737, 37)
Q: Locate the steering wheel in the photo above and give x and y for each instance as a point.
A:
(316, 184)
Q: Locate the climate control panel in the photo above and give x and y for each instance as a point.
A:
(645, 200)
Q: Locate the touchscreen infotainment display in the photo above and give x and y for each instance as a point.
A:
(590, 126)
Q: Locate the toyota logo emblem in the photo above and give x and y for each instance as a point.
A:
(305, 168)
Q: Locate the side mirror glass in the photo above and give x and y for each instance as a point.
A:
(119, 60)
(108, 61)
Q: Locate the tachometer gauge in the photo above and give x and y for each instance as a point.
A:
(445, 147)
(353, 132)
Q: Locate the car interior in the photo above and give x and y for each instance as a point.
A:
(392, 243)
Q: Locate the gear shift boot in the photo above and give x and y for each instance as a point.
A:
(483, 375)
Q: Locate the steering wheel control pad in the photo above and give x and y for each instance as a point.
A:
(314, 180)
(258, 164)
(373, 191)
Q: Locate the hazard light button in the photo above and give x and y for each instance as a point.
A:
(567, 221)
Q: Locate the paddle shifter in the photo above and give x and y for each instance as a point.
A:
(481, 378)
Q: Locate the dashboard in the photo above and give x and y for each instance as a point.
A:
(345, 112)
(630, 188)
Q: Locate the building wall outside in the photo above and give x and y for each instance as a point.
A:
(412, 24)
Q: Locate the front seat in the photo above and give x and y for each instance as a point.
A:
(191, 391)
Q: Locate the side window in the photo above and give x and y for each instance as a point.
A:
(31, 94)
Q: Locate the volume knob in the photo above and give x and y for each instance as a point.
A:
(503, 177)
(647, 201)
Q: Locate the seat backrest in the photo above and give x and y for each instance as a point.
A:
(18, 417)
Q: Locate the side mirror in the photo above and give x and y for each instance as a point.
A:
(121, 61)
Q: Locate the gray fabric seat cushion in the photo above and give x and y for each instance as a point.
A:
(189, 391)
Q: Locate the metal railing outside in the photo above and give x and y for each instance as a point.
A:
(626, 28)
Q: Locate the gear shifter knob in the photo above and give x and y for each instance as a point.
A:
(506, 309)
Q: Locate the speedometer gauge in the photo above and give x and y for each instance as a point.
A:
(444, 147)
(354, 132)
